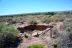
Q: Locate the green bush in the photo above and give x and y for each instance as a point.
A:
(8, 36)
(35, 46)
(57, 18)
(68, 28)
(50, 13)
(32, 22)
(46, 19)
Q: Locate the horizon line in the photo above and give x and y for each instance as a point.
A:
(33, 12)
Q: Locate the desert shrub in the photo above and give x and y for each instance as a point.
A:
(50, 13)
(46, 19)
(55, 32)
(8, 28)
(35, 46)
(68, 25)
(32, 22)
(56, 18)
(8, 36)
(68, 28)
(11, 21)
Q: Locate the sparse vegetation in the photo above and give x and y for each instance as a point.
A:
(8, 36)
(46, 19)
(9, 33)
(32, 21)
(50, 13)
(57, 18)
(35, 46)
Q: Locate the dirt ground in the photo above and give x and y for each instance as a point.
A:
(47, 41)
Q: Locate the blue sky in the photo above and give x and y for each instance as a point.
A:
(29, 6)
